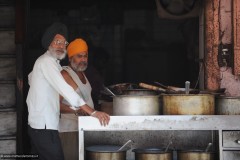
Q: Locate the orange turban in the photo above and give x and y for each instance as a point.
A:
(77, 46)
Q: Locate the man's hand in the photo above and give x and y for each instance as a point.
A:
(103, 117)
(81, 112)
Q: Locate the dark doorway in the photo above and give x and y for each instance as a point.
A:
(138, 45)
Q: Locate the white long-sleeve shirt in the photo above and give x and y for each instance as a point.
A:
(46, 83)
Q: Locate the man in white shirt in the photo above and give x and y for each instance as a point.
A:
(46, 83)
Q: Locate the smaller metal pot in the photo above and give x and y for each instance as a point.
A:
(228, 105)
(195, 155)
(105, 152)
(152, 154)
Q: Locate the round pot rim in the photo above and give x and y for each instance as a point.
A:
(135, 96)
(194, 95)
(97, 149)
(228, 97)
(151, 150)
(195, 151)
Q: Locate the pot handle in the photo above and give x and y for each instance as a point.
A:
(151, 87)
(238, 141)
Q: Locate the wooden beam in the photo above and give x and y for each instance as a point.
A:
(236, 36)
(212, 77)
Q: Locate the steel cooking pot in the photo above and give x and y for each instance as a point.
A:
(136, 105)
(119, 88)
(105, 152)
(152, 154)
(195, 155)
(139, 92)
(188, 104)
(228, 105)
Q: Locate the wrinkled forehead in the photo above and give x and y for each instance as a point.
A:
(59, 37)
(80, 55)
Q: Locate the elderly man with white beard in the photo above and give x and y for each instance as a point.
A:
(46, 83)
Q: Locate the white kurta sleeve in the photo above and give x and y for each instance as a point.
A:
(51, 72)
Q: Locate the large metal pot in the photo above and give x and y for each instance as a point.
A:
(139, 92)
(188, 104)
(105, 152)
(136, 105)
(228, 105)
(195, 155)
(152, 154)
(119, 88)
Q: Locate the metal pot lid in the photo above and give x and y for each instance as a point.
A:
(139, 92)
(151, 150)
(104, 148)
(189, 95)
(195, 151)
(136, 96)
(227, 97)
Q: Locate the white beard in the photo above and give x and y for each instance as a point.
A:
(55, 53)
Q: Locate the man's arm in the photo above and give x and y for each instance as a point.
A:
(54, 77)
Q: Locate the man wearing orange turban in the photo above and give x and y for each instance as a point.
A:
(74, 75)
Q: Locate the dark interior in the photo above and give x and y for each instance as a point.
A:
(127, 41)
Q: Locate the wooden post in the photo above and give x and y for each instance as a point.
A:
(236, 36)
(212, 74)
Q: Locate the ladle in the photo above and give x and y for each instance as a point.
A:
(124, 146)
(109, 91)
(170, 142)
(208, 147)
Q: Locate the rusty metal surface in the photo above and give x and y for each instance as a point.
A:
(236, 37)
(200, 104)
(229, 139)
(212, 74)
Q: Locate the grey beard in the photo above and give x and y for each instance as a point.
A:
(54, 53)
(79, 68)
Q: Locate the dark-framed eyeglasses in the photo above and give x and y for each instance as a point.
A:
(60, 42)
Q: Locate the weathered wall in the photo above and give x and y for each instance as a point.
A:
(222, 18)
